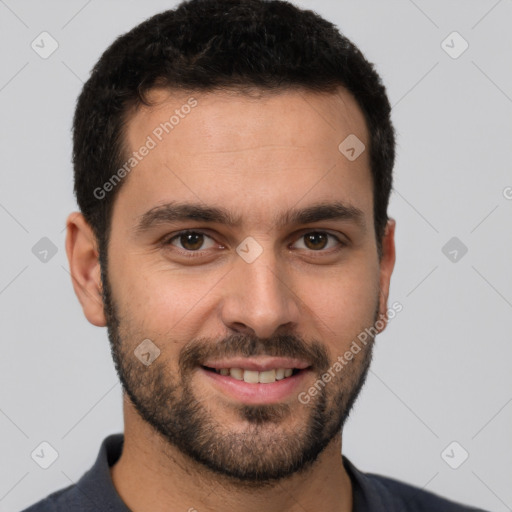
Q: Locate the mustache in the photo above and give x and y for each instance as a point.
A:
(245, 345)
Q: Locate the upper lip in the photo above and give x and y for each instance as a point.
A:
(257, 363)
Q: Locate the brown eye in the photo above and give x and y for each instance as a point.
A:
(315, 240)
(190, 241)
(318, 240)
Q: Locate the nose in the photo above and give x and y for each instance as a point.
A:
(259, 298)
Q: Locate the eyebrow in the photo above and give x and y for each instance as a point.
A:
(178, 212)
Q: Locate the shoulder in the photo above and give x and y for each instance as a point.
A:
(58, 501)
(405, 497)
(94, 491)
(374, 492)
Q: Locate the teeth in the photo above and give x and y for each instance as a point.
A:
(237, 373)
(268, 376)
(253, 377)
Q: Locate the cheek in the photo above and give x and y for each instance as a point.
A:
(341, 304)
(163, 302)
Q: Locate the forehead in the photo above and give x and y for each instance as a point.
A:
(253, 155)
(217, 117)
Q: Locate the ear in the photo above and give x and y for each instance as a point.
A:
(387, 265)
(84, 266)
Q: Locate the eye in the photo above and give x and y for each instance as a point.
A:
(190, 241)
(318, 240)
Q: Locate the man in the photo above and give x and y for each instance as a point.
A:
(233, 164)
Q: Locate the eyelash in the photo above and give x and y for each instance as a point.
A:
(198, 253)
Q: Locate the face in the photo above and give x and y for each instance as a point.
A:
(243, 248)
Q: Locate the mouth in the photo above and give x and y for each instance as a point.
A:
(257, 380)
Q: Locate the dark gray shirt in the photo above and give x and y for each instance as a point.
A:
(95, 492)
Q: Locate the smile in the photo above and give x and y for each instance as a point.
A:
(254, 376)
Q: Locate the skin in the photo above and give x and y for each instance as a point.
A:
(256, 156)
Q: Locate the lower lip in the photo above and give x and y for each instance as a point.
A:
(269, 393)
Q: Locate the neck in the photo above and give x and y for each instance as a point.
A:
(152, 475)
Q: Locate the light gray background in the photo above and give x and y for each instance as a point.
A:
(441, 370)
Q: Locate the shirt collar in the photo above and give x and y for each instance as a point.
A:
(96, 484)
